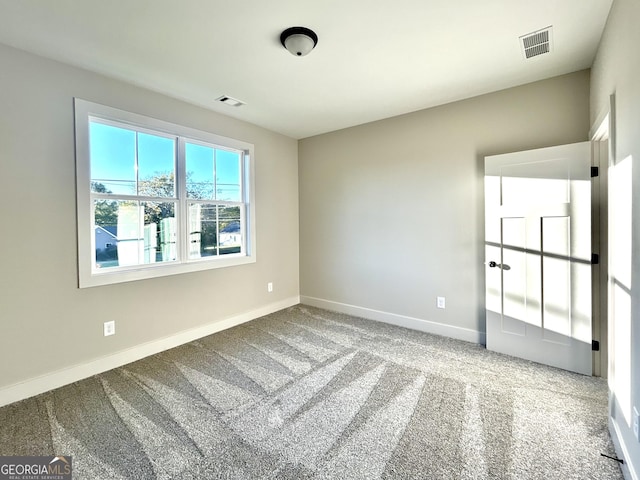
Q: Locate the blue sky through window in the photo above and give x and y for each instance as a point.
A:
(112, 152)
(156, 155)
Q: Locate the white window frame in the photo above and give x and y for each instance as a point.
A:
(88, 275)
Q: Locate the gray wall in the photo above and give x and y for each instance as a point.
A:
(48, 324)
(616, 70)
(391, 213)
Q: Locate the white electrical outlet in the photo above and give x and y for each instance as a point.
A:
(270, 287)
(109, 328)
(636, 424)
(440, 302)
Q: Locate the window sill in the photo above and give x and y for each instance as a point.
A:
(88, 279)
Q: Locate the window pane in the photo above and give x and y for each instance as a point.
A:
(160, 232)
(105, 233)
(230, 231)
(134, 233)
(112, 153)
(156, 166)
(203, 230)
(228, 176)
(214, 230)
(200, 171)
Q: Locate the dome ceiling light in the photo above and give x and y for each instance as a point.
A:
(299, 40)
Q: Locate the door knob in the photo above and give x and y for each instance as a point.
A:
(503, 266)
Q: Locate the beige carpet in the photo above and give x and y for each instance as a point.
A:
(310, 394)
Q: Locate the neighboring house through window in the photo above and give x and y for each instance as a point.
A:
(157, 199)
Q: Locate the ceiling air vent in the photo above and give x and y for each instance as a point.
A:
(536, 43)
(233, 102)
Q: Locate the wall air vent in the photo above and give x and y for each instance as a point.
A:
(536, 43)
(232, 102)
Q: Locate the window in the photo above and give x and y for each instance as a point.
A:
(158, 199)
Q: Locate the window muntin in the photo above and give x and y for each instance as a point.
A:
(157, 199)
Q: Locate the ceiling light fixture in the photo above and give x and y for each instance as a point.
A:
(299, 40)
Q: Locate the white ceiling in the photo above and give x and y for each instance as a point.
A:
(374, 58)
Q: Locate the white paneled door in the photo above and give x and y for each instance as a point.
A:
(538, 255)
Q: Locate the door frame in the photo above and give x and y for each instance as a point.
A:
(602, 155)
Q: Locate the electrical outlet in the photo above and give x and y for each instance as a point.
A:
(440, 302)
(109, 328)
(270, 287)
(636, 424)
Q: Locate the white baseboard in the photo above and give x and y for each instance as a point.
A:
(628, 468)
(49, 381)
(451, 331)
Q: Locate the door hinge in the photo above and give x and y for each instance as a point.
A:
(595, 345)
(595, 171)
(595, 259)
